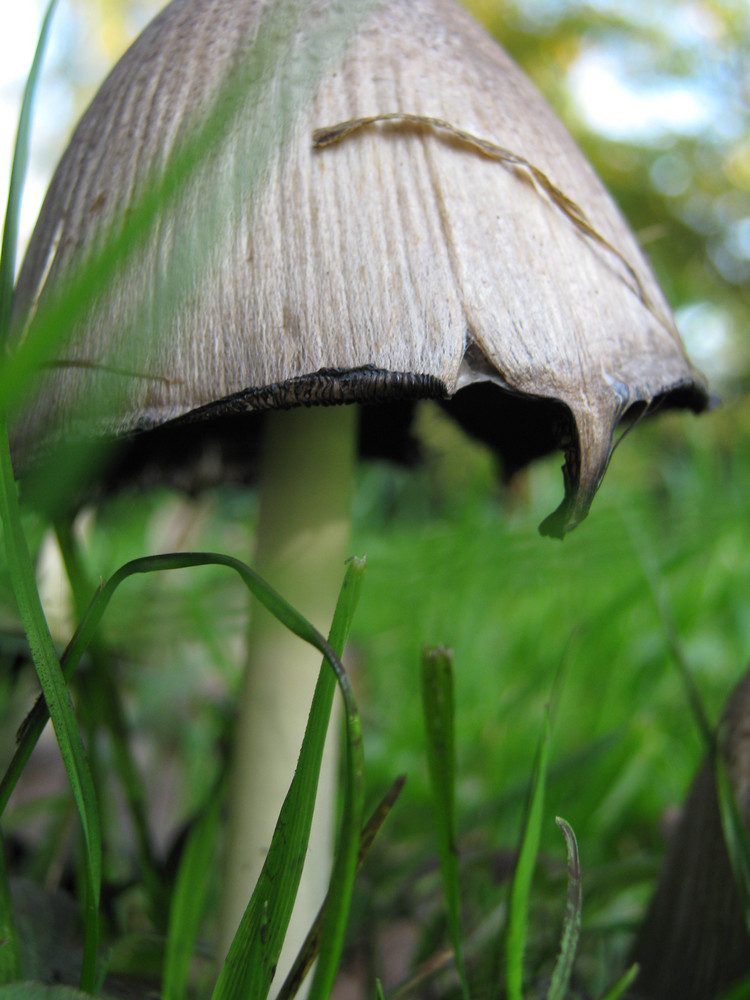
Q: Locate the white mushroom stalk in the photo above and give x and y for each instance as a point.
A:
(386, 211)
(302, 543)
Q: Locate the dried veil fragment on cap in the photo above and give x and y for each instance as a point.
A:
(387, 210)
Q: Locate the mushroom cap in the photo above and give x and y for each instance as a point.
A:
(450, 241)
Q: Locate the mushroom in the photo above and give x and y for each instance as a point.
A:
(349, 203)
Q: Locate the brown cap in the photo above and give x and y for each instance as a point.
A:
(386, 210)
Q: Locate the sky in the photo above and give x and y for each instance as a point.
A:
(55, 112)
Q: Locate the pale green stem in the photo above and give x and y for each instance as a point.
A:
(302, 544)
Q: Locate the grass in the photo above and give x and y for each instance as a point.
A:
(472, 574)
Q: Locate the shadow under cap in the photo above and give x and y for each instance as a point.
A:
(220, 443)
(422, 226)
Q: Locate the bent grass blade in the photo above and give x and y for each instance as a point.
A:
(572, 921)
(241, 977)
(251, 962)
(20, 566)
(438, 712)
(311, 944)
(188, 902)
(518, 912)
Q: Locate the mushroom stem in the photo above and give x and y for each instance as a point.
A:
(302, 543)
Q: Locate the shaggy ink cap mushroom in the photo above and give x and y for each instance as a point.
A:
(379, 207)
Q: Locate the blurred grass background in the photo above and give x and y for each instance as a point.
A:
(454, 557)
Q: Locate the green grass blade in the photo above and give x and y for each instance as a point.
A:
(438, 712)
(251, 962)
(52, 681)
(515, 940)
(311, 945)
(622, 985)
(18, 173)
(103, 694)
(572, 921)
(346, 863)
(34, 723)
(10, 948)
(348, 845)
(20, 566)
(265, 594)
(653, 578)
(188, 902)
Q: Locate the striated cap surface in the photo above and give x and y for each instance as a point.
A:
(321, 202)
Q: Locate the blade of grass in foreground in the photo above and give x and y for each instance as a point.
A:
(572, 921)
(188, 901)
(515, 939)
(236, 976)
(438, 712)
(251, 962)
(311, 945)
(623, 984)
(34, 723)
(348, 844)
(105, 700)
(20, 566)
(18, 173)
(57, 699)
(286, 614)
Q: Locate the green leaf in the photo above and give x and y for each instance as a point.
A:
(572, 920)
(302, 628)
(104, 700)
(515, 941)
(438, 711)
